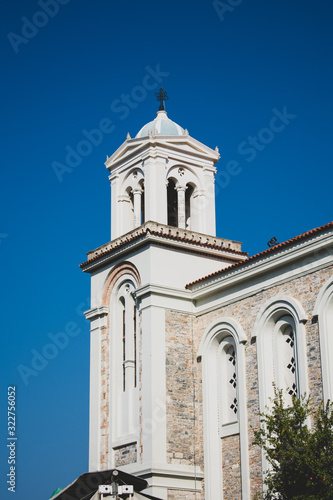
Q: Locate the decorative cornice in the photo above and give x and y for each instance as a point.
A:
(96, 312)
(220, 247)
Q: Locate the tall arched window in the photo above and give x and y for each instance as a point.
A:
(127, 314)
(228, 387)
(123, 360)
(224, 407)
(281, 349)
(285, 362)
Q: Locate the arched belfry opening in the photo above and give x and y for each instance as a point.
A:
(140, 168)
(142, 206)
(172, 204)
(188, 205)
(131, 198)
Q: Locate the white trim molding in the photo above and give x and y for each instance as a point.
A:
(271, 311)
(277, 310)
(324, 310)
(98, 323)
(208, 351)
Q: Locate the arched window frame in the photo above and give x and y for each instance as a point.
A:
(324, 310)
(126, 327)
(271, 312)
(132, 198)
(216, 337)
(123, 388)
(277, 309)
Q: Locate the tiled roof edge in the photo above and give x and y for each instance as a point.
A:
(168, 236)
(257, 256)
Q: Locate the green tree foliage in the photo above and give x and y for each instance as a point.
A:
(300, 458)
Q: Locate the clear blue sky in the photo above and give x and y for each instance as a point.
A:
(225, 73)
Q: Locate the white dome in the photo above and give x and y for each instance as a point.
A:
(162, 125)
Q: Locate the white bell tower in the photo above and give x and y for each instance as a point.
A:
(162, 175)
(162, 237)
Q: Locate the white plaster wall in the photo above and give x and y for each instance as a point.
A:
(167, 266)
(153, 383)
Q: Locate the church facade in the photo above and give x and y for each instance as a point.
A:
(188, 333)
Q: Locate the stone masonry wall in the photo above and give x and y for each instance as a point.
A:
(305, 289)
(184, 401)
(125, 455)
(182, 495)
(231, 468)
(183, 336)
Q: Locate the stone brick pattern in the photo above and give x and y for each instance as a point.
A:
(231, 468)
(125, 455)
(184, 394)
(184, 401)
(305, 289)
(183, 495)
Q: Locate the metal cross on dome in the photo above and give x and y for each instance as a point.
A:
(161, 96)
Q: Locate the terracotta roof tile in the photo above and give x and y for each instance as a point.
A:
(147, 230)
(265, 252)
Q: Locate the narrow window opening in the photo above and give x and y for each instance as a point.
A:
(188, 201)
(228, 388)
(143, 204)
(132, 201)
(172, 204)
(285, 358)
(130, 211)
(124, 342)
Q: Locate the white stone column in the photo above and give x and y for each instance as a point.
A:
(98, 320)
(153, 423)
(181, 206)
(125, 214)
(198, 212)
(114, 182)
(137, 206)
(209, 210)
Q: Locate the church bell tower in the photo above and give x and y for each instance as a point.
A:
(162, 237)
(162, 175)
